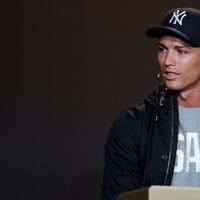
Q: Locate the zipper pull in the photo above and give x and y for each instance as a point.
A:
(162, 99)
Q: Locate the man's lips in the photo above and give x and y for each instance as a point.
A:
(170, 75)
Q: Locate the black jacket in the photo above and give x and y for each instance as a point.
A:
(141, 146)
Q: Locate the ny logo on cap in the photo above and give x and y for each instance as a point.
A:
(177, 17)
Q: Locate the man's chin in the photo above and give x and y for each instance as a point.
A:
(172, 86)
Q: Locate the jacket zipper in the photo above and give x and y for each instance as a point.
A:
(171, 142)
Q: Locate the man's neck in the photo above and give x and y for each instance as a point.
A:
(189, 99)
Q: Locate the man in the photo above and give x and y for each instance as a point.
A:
(158, 141)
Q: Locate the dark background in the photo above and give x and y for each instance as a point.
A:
(67, 68)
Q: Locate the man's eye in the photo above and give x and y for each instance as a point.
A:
(181, 51)
(161, 49)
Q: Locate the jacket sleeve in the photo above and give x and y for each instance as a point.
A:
(121, 157)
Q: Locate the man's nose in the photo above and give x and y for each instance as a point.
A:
(169, 59)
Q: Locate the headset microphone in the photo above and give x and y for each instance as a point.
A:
(158, 75)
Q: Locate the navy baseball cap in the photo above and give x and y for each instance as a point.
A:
(180, 22)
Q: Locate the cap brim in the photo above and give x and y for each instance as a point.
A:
(158, 31)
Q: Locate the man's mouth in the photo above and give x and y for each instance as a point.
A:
(170, 75)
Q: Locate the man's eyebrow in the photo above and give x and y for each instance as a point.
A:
(160, 44)
(180, 47)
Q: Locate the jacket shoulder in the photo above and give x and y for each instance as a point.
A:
(131, 122)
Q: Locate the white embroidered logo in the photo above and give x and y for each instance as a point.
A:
(177, 17)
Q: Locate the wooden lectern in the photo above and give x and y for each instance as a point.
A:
(162, 193)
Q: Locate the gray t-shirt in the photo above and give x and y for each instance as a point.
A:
(187, 167)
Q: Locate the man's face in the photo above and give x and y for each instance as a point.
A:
(179, 64)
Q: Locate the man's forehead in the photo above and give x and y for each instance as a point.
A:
(167, 39)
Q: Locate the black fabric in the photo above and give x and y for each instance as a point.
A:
(138, 147)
